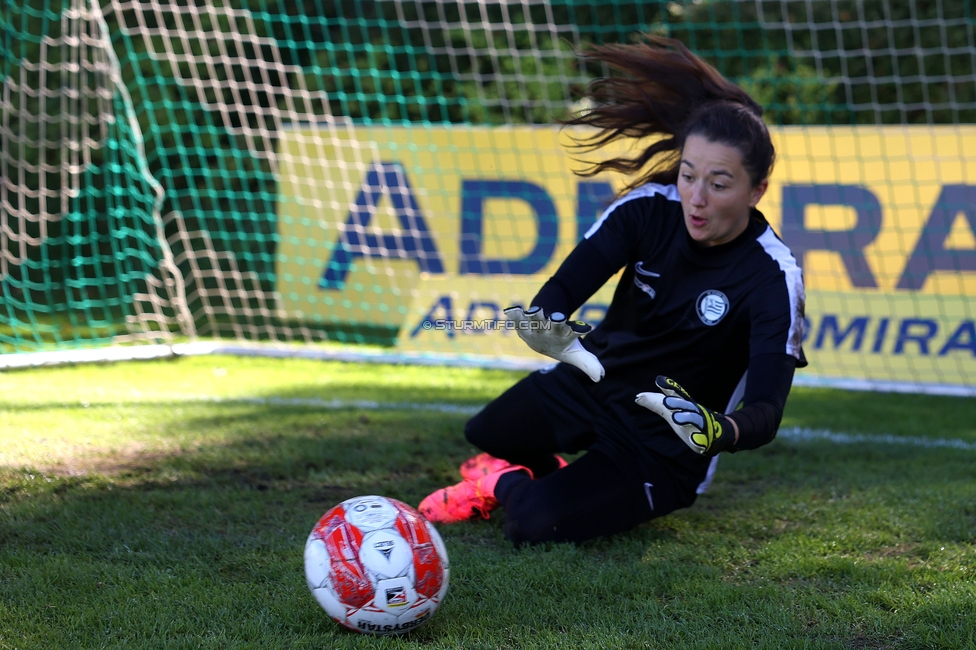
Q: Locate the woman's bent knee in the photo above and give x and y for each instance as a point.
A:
(476, 432)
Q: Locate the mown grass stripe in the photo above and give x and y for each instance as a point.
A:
(793, 434)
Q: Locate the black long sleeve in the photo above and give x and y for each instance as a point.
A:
(768, 383)
(580, 275)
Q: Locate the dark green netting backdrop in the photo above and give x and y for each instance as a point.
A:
(339, 172)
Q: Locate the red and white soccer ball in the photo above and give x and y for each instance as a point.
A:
(376, 565)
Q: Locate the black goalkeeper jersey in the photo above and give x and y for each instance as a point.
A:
(700, 315)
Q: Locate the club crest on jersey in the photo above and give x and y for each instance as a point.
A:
(643, 286)
(712, 306)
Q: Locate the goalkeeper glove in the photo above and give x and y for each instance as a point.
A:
(705, 431)
(555, 337)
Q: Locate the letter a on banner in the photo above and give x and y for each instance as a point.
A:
(931, 253)
(413, 243)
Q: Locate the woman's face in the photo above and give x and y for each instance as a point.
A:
(716, 192)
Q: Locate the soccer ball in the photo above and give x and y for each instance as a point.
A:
(376, 565)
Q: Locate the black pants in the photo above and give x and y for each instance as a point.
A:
(596, 495)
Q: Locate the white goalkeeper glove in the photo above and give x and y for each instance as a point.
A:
(556, 337)
(705, 431)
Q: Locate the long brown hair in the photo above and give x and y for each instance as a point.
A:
(665, 90)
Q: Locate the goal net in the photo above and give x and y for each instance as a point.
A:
(379, 179)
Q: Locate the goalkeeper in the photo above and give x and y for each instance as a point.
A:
(707, 315)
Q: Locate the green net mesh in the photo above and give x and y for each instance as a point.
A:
(349, 172)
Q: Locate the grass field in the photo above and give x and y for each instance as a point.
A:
(166, 504)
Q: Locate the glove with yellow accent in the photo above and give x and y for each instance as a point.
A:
(556, 337)
(705, 431)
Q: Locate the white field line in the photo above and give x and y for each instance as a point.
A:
(791, 434)
(369, 405)
(306, 402)
(800, 434)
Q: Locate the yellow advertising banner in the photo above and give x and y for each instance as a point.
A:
(432, 231)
